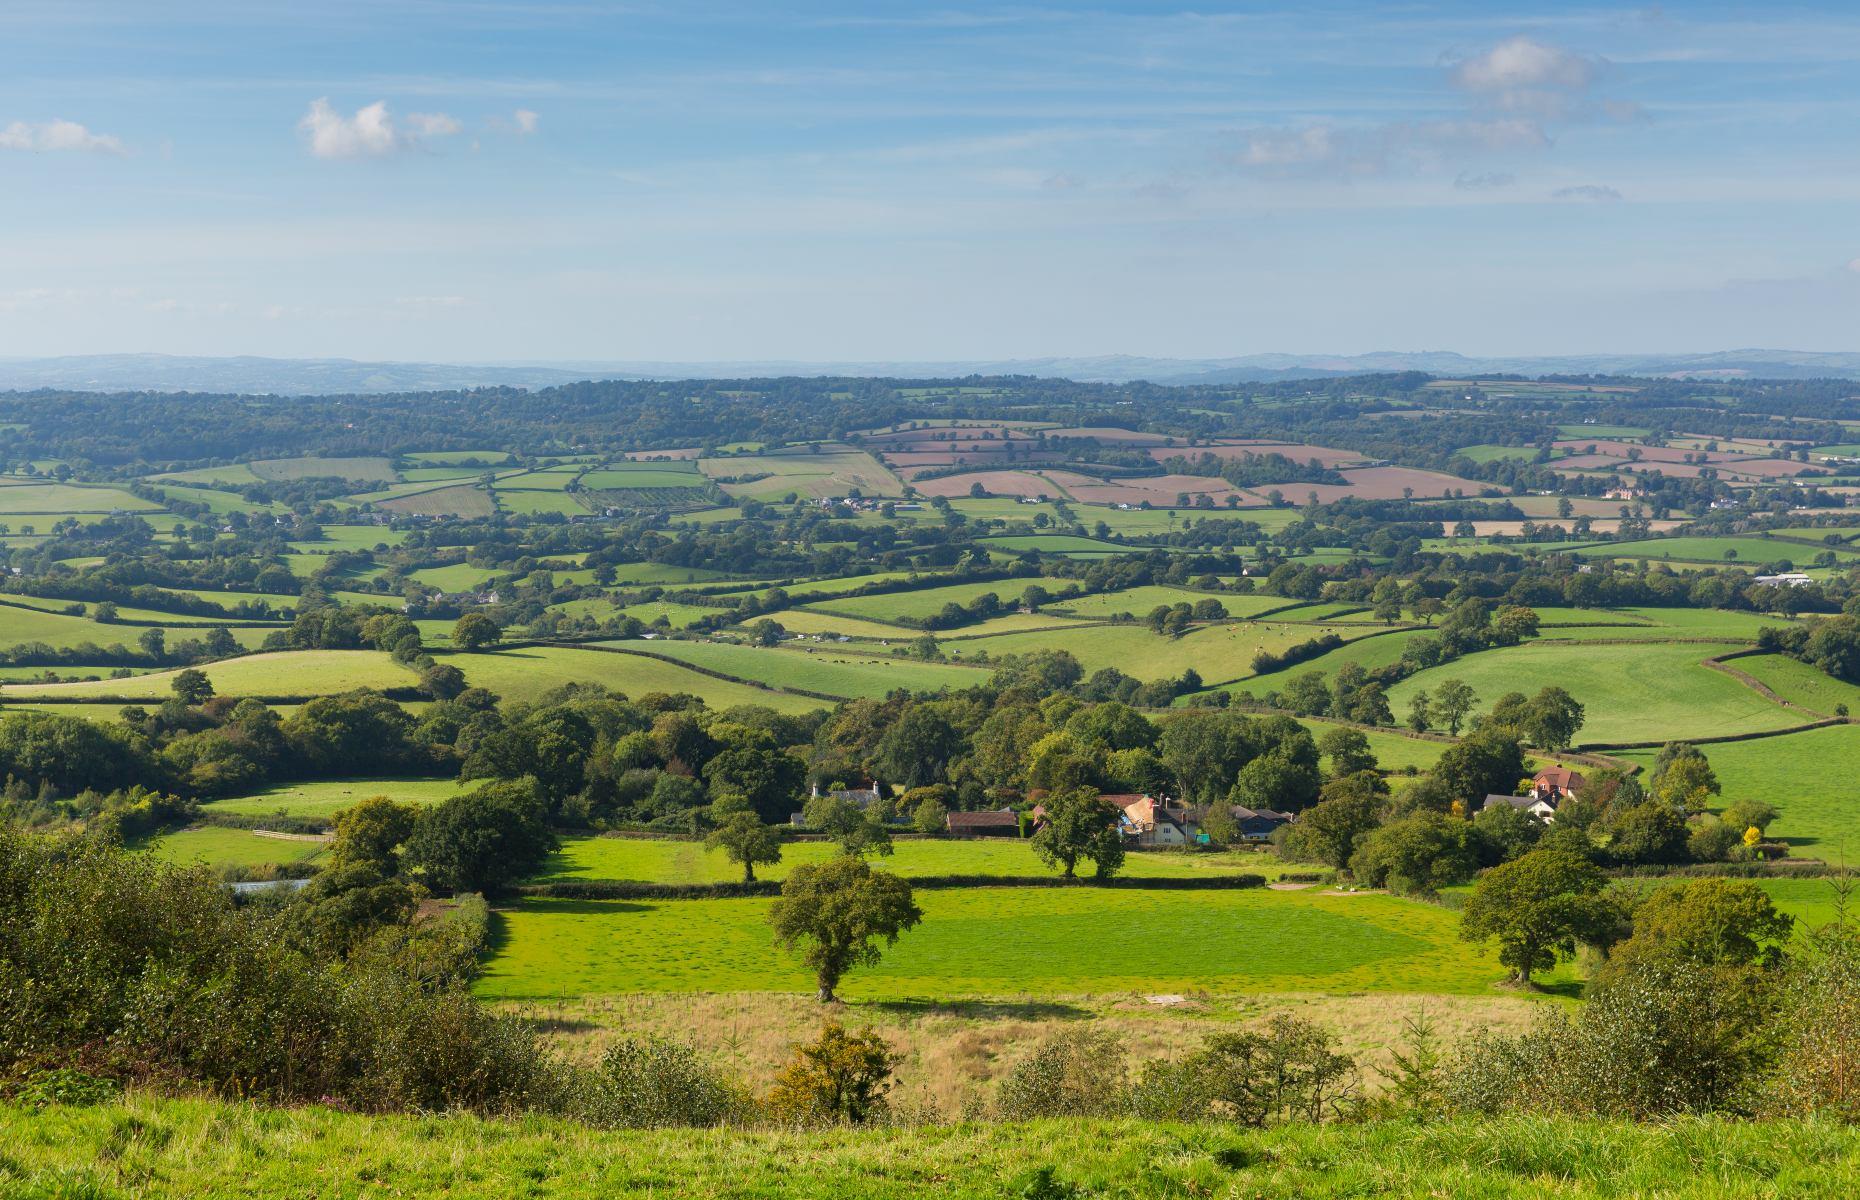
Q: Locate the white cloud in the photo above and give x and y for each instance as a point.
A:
(1376, 149)
(1522, 63)
(526, 121)
(1588, 192)
(58, 134)
(371, 132)
(433, 124)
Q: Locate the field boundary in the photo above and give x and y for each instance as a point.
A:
(709, 672)
(1720, 739)
(1717, 663)
(633, 889)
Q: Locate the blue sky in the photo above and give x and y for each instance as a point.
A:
(572, 179)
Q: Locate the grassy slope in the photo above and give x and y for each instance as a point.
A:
(977, 942)
(1799, 682)
(833, 672)
(528, 673)
(326, 797)
(145, 1145)
(1653, 692)
(217, 847)
(1219, 652)
(285, 673)
(1808, 776)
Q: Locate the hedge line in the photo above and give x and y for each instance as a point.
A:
(631, 889)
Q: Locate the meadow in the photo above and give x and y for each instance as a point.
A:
(528, 673)
(1003, 942)
(280, 673)
(1658, 692)
(324, 798)
(217, 847)
(831, 672)
(1218, 652)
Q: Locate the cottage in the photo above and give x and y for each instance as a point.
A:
(1149, 821)
(1543, 810)
(1554, 783)
(1258, 824)
(863, 797)
(1003, 822)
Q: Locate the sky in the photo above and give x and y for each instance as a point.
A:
(496, 180)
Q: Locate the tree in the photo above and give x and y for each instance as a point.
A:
(1538, 907)
(1683, 778)
(839, 1077)
(474, 631)
(1416, 855)
(1352, 806)
(1749, 813)
(442, 681)
(154, 644)
(1219, 825)
(1453, 700)
(1419, 712)
(858, 831)
(835, 913)
(483, 841)
(1553, 718)
(1488, 761)
(929, 808)
(1348, 751)
(372, 832)
(744, 839)
(766, 632)
(1712, 922)
(1079, 824)
(192, 687)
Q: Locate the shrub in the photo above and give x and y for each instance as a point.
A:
(653, 1082)
(838, 1078)
(1289, 1071)
(1071, 1073)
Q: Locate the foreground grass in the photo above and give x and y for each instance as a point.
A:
(147, 1146)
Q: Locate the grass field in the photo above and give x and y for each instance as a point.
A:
(1217, 652)
(461, 501)
(983, 942)
(1750, 550)
(458, 577)
(1138, 602)
(667, 861)
(284, 673)
(891, 606)
(1057, 543)
(213, 846)
(830, 671)
(531, 501)
(38, 499)
(18, 624)
(1808, 776)
(1654, 692)
(371, 470)
(620, 476)
(1394, 751)
(1799, 683)
(213, 1148)
(675, 614)
(834, 471)
(526, 674)
(325, 798)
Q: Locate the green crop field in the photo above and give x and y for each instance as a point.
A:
(533, 502)
(833, 672)
(979, 942)
(52, 499)
(1218, 652)
(924, 602)
(19, 625)
(325, 798)
(283, 673)
(457, 457)
(527, 673)
(657, 860)
(1656, 692)
(1750, 550)
(213, 846)
(230, 475)
(1808, 776)
(620, 476)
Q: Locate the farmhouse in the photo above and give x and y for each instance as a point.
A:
(1258, 824)
(1543, 810)
(1003, 822)
(1148, 821)
(1553, 783)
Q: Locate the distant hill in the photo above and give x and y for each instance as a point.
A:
(323, 376)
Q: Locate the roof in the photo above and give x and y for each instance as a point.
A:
(1560, 777)
(997, 819)
(1524, 803)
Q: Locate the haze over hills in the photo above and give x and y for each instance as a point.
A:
(285, 376)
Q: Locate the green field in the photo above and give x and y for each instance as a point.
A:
(1138, 602)
(675, 614)
(51, 499)
(325, 798)
(979, 942)
(834, 471)
(1808, 776)
(1653, 693)
(283, 673)
(1753, 551)
(533, 502)
(1056, 543)
(213, 846)
(526, 674)
(1218, 652)
(19, 624)
(621, 476)
(924, 602)
(1799, 683)
(656, 860)
(830, 671)
(1394, 751)
(370, 470)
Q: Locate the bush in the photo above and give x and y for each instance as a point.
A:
(1289, 1071)
(653, 1082)
(1071, 1073)
(838, 1078)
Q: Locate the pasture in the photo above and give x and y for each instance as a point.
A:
(367, 470)
(832, 672)
(216, 847)
(323, 799)
(280, 673)
(1218, 652)
(1654, 693)
(528, 673)
(1003, 942)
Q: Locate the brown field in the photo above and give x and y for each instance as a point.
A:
(1589, 462)
(956, 1053)
(998, 483)
(684, 452)
(1116, 437)
(1661, 454)
(1249, 449)
(1157, 489)
(1383, 483)
(831, 471)
(1604, 525)
(1767, 468)
(453, 501)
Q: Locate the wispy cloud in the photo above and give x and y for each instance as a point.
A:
(371, 132)
(1587, 193)
(58, 135)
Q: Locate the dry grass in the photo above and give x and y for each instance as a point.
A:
(952, 1055)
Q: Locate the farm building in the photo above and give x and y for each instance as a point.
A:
(1553, 783)
(1149, 821)
(1542, 809)
(1004, 822)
